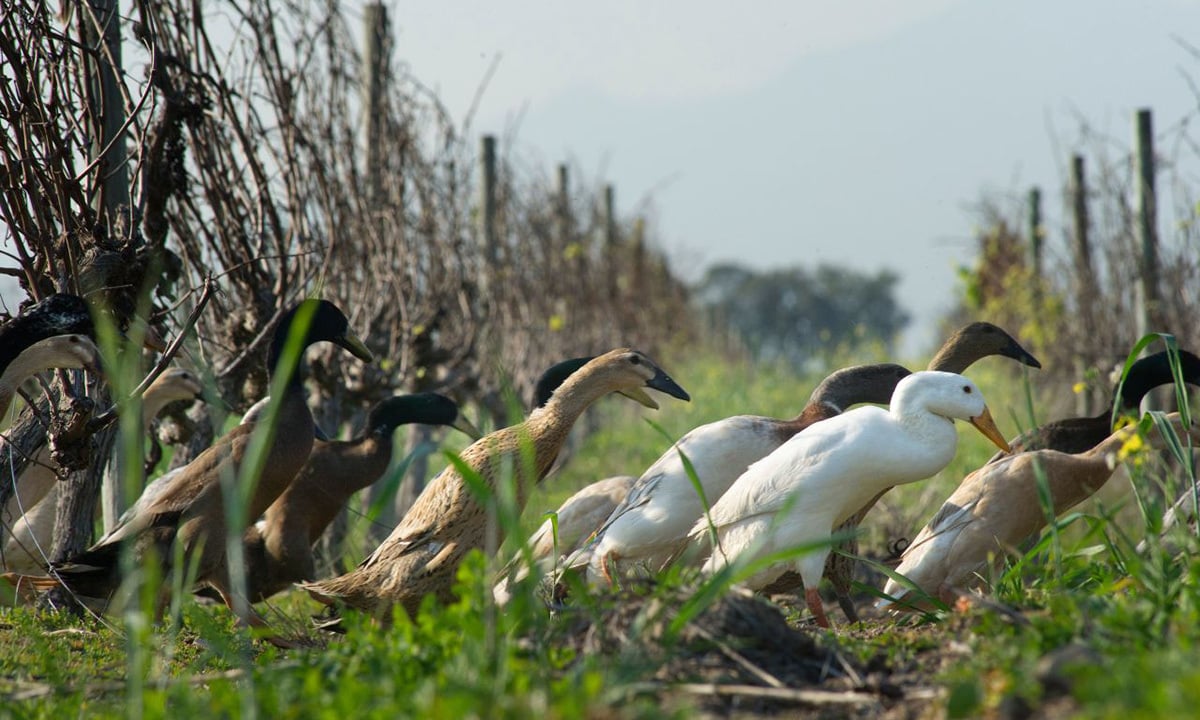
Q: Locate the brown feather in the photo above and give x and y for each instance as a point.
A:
(423, 553)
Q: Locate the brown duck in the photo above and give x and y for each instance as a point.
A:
(191, 510)
(279, 546)
(423, 553)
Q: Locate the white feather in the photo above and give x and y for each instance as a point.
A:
(800, 492)
(663, 504)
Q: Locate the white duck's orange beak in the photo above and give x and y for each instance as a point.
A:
(983, 423)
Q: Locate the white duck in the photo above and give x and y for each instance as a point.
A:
(800, 492)
(576, 519)
(663, 505)
(997, 507)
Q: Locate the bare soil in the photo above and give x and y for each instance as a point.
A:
(741, 658)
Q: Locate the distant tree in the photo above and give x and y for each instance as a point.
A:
(802, 316)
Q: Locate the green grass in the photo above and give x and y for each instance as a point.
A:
(1137, 615)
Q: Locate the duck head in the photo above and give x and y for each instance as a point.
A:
(556, 374)
(979, 340)
(176, 384)
(628, 371)
(318, 320)
(1155, 370)
(951, 396)
(425, 408)
(73, 351)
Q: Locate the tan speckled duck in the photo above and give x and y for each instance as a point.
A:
(423, 553)
(997, 507)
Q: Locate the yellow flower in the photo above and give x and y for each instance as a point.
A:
(557, 322)
(1079, 387)
(1132, 447)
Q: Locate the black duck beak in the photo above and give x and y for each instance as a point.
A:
(640, 397)
(663, 383)
(1021, 355)
(356, 347)
(465, 426)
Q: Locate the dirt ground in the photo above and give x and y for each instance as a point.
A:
(741, 658)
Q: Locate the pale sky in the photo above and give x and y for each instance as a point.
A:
(774, 133)
(778, 133)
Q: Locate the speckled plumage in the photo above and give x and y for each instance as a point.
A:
(997, 507)
(423, 553)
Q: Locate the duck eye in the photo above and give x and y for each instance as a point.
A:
(635, 360)
(967, 389)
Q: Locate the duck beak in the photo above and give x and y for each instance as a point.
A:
(93, 365)
(640, 397)
(984, 424)
(663, 383)
(356, 347)
(1021, 355)
(465, 426)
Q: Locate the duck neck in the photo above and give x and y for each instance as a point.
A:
(934, 430)
(24, 366)
(294, 367)
(548, 427)
(953, 357)
(152, 405)
(815, 411)
(1151, 372)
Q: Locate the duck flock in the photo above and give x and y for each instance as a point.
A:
(774, 503)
